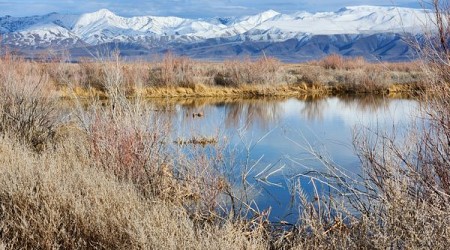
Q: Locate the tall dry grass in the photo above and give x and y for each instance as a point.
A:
(58, 200)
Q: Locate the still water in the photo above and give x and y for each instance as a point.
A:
(274, 141)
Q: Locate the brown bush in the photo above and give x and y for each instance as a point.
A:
(333, 61)
(133, 150)
(263, 71)
(27, 109)
(92, 76)
(173, 71)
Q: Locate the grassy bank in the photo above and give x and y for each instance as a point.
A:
(182, 77)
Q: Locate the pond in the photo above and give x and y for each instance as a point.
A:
(277, 141)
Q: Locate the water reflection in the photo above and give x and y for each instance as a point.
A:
(313, 108)
(269, 111)
(254, 113)
(366, 103)
(282, 132)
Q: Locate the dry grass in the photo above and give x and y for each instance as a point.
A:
(247, 91)
(401, 200)
(56, 200)
(109, 181)
(109, 175)
(173, 71)
(181, 76)
(335, 61)
(264, 71)
(112, 181)
(356, 75)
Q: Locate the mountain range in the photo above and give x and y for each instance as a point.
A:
(376, 33)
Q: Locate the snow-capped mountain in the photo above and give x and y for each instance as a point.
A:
(215, 35)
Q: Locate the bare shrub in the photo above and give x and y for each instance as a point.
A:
(136, 76)
(172, 71)
(91, 75)
(364, 81)
(135, 145)
(401, 199)
(263, 71)
(333, 61)
(356, 75)
(129, 139)
(63, 74)
(338, 62)
(129, 145)
(409, 178)
(28, 111)
(434, 46)
(123, 136)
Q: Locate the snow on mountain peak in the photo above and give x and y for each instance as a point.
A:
(89, 18)
(269, 14)
(103, 13)
(105, 26)
(261, 17)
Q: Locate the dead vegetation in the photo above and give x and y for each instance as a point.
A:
(356, 75)
(58, 200)
(110, 178)
(27, 108)
(174, 76)
(401, 199)
(107, 175)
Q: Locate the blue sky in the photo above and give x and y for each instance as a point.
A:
(184, 8)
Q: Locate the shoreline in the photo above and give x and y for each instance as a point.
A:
(249, 91)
